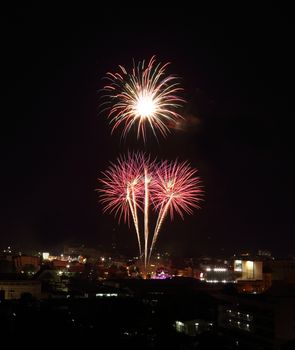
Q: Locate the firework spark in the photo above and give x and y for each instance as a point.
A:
(121, 189)
(136, 182)
(177, 190)
(144, 97)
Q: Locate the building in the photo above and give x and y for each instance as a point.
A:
(24, 262)
(250, 276)
(217, 274)
(12, 287)
(282, 270)
(250, 270)
(192, 327)
(60, 264)
(265, 321)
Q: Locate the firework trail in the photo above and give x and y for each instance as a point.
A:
(121, 189)
(144, 97)
(146, 214)
(136, 182)
(177, 190)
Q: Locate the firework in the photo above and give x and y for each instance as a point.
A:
(137, 182)
(144, 97)
(121, 189)
(177, 190)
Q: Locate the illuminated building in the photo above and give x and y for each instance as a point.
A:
(259, 322)
(63, 264)
(23, 261)
(192, 327)
(217, 274)
(12, 288)
(250, 277)
(45, 255)
(251, 270)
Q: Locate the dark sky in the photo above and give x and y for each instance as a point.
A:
(236, 74)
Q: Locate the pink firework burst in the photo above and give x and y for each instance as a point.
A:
(144, 97)
(119, 181)
(136, 181)
(177, 187)
(177, 190)
(123, 187)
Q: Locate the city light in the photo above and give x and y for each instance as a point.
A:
(45, 256)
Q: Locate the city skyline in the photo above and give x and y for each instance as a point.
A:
(236, 132)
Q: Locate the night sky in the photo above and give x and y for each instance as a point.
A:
(54, 143)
